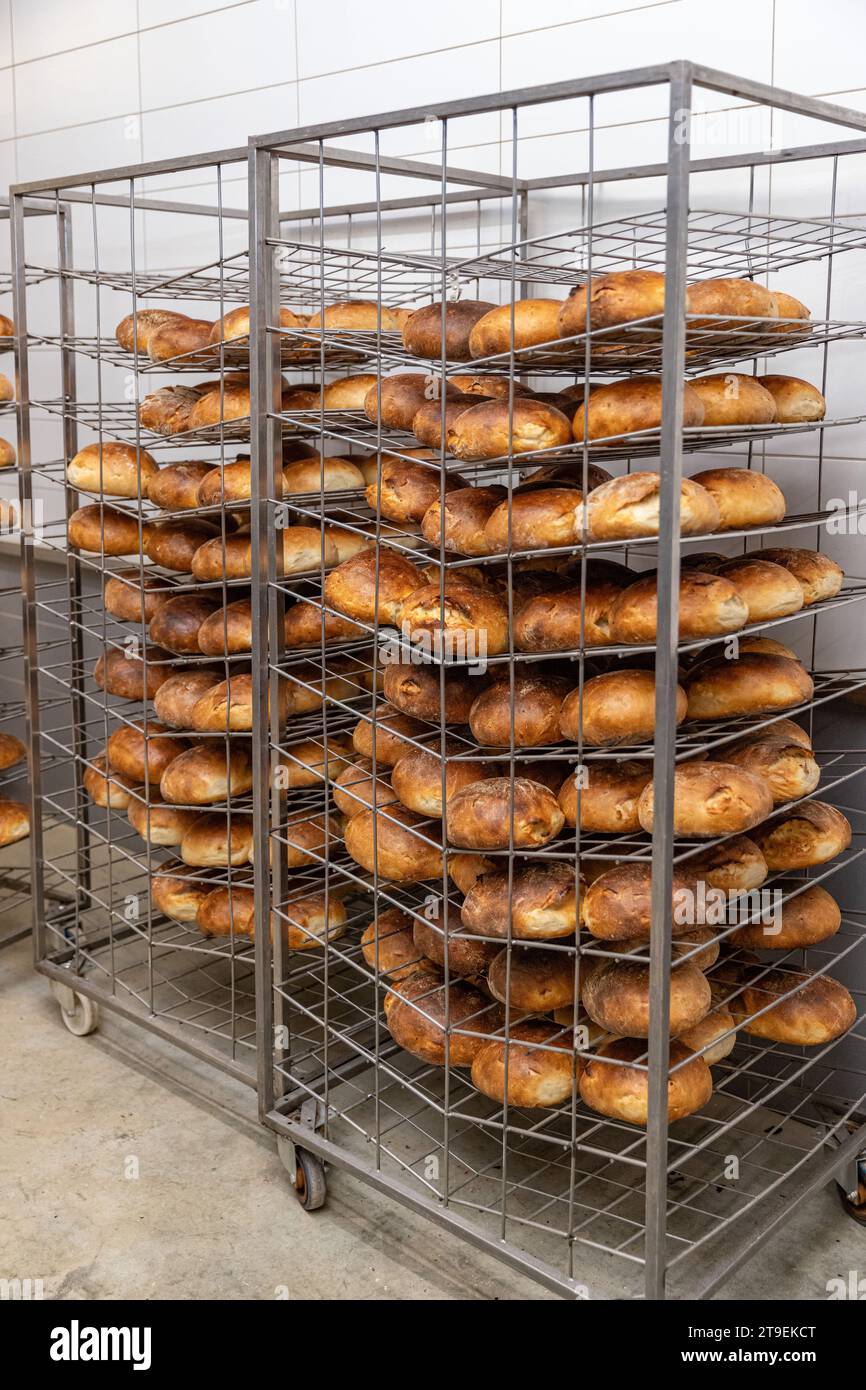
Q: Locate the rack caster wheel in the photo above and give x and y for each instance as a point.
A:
(311, 1185)
(307, 1174)
(79, 1012)
(854, 1203)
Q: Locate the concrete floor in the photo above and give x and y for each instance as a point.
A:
(210, 1213)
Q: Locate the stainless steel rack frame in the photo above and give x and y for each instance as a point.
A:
(558, 1192)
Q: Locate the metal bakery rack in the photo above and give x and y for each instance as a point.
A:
(585, 1204)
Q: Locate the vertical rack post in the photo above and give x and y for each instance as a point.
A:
(667, 632)
(265, 441)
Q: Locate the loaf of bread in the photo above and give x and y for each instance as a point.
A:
(499, 813)
(818, 576)
(403, 848)
(102, 530)
(789, 1006)
(115, 470)
(767, 590)
(535, 1067)
(608, 792)
(709, 605)
(712, 799)
(438, 330)
(176, 487)
(618, 707)
(630, 407)
(755, 683)
(531, 520)
(811, 833)
(439, 1023)
(615, 1081)
(542, 898)
(796, 400)
(629, 507)
(526, 323)
(732, 399)
(743, 496)
(497, 429)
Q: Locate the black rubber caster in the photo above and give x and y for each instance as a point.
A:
(311, 1185)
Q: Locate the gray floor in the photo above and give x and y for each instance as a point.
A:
(210, 1213)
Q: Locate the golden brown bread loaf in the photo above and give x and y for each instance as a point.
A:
(629, 406)
(157, 823)
(107, 787)
(543, 899)
(356, 789)
(618, 903)
(417, 776)
(788, 769)
(534, 321)
(304, 923)
(714, 1038)
(143, 752)
(618, 707)
(709, 605)
(620, 297)
(204, 774)
(120, 672)
(348, 393)
(466, 512)
(431, 424)
(307, 840)
(175, 488)
(218, 841)
(451, 950)
(7, 454)
(811, 833)
(389, 736)
(735, 865)
(177, 623)
(12, 751)
(236, 324)
(225, 707)
(133, 332)
(743, 496)
(767, 646)
(538, 1061)
(796, 400)
(807, 919)
(304, 764)
(818, 575)
(168, 409)
(629, 507)
(14, 821)
(495, 429)
(177, 893)
(302, 626)
(115, 470)
(541, 517)
(405, 850)
(359, 313)
(321, 475)
(301, 551)
(388, 946)
(398, 398)
(609, 793)
(497, 813)
(438, 1023)
(226, 631)
(178, 694)
(481, 384)
(712, 799)
(173, 544)
(183, 337)
(104, 530)
(550, 622)
(416, 689)
(472, 621)
(533, 981)
(616, 995)
(789, 310)
(755, 683)
(619, 1087)
(528, 713)
(7, 327)
(787, 729)
(127, 590)
(423, 331)
(732, 398)
(371, 586)
(229, 400)
(767, 590)
(405, 490)
(811, 1009)
(230, 483)
(739, 298)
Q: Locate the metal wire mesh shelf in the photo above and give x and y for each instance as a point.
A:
(746, 243)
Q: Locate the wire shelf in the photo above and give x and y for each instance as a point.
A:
(745, 244)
